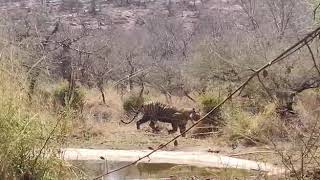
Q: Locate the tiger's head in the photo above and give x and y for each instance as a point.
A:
(194, 115)
(191, 113)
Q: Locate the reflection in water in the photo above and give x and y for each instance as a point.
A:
(151, 170)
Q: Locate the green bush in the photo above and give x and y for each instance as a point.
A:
(74, 99)
(132, 103)
(208, 102)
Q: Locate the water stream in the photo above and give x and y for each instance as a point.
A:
(156, 171)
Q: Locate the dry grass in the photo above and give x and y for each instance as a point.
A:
(97, 110)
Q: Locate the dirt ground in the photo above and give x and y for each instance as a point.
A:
(112, 135)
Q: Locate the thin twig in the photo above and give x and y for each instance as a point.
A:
(134, 74)
(264, 86)
(35, 64)
(315, 11)
(46, 142)
(313, 58)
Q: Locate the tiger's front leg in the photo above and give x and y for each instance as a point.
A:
(183, 128)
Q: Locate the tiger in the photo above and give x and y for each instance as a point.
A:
(156, 111)
(180, 120)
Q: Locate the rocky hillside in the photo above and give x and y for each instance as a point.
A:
(127, 14)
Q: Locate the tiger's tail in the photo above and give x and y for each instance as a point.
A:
(134, 117)
(131, 119)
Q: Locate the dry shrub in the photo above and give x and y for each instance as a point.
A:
(252, 128)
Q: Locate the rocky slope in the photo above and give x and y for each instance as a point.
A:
(126, 14)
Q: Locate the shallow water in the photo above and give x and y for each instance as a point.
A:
(155, 171)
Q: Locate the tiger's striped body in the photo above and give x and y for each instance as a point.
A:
(180, 119)
(155, 111)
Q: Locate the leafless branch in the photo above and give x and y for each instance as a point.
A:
(134, 74)
(313, 58)
(35, 64)
(315, 11)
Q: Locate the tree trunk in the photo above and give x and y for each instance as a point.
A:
(100, 87)
(130, 75)
(33, 81)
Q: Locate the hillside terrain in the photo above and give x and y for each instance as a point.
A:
(126, 15)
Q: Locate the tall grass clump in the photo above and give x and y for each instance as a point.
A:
(29, 136)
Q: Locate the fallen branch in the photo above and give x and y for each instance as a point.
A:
(206, 133)
(204, 127)
(247, 153)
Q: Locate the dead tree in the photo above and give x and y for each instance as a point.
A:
(93, 7)
(129, 59)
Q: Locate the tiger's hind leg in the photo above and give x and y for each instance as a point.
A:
(174, 128)
(144, 119)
